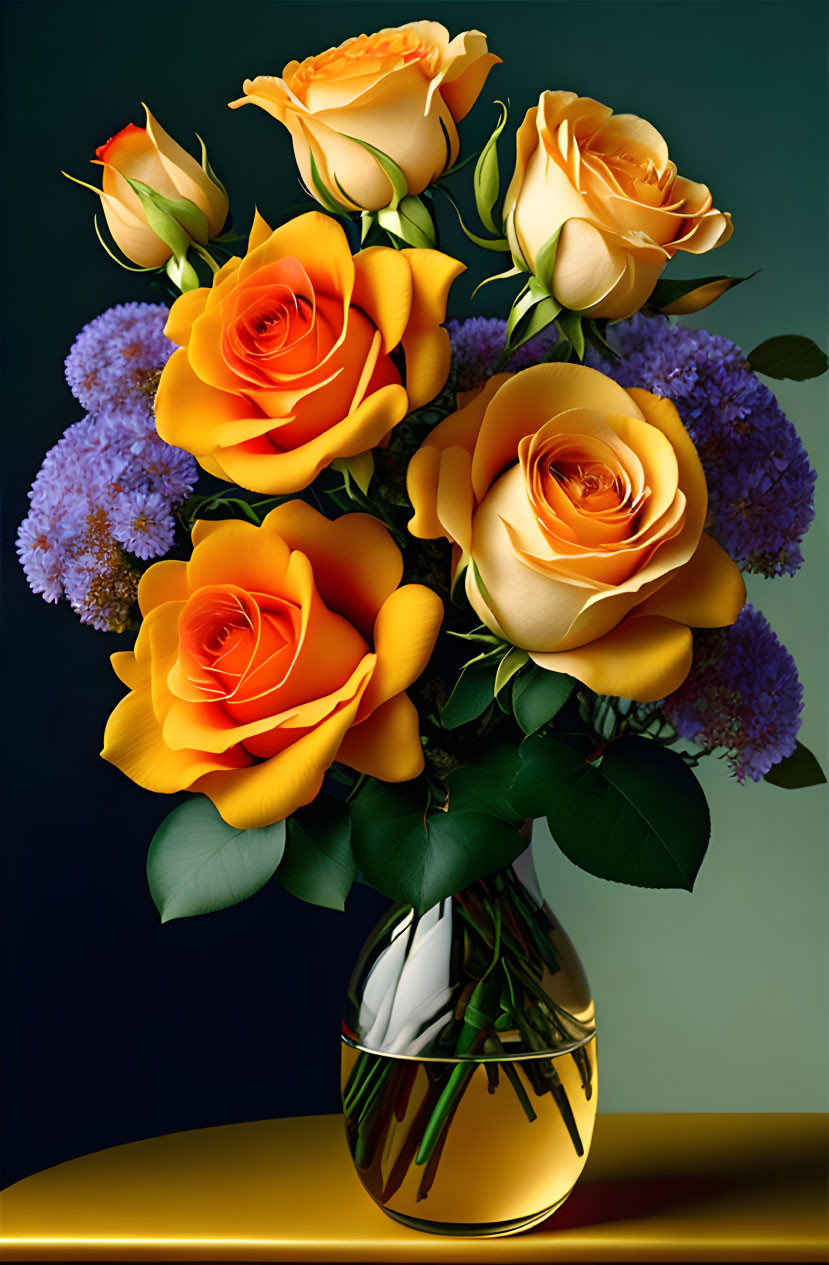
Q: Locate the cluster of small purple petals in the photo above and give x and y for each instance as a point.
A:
(742, 694)
(116, 359)
(760, 483)
(478, 350)
(107, 489)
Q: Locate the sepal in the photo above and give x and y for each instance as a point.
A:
(681, 298)
(410, 222)
(391, 170)
(486, 181)
(208, 170)
(177, 221)
(182, 273)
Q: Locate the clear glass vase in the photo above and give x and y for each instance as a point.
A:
(469, 1060)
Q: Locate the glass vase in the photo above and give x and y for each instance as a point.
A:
(469, 1060)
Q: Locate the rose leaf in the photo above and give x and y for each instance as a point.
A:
(637, 816)
(318, 864)
(420, 857)
(789, 356)
(473, 693)
(794, 771)
(198, 863)
(538, 696)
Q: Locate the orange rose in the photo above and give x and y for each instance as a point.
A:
(285, 363)
(273, 652)
(578, 509)
(402, 90)
(606, 182)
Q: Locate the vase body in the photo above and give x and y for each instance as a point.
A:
(469, 1061)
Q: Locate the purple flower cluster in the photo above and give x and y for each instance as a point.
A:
(742, 694)
(478, 350)
(109, 487)
(117, 358)
(760, 483)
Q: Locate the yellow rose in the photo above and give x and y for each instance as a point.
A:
(272, 652)
(401, 90)
(148, 154)
(578, 509)
(606, 182)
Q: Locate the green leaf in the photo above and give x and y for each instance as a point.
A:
(511, 663)
(182, 273)
(318, 865)
(537, 289)
(560, 352)
(570, 323)
(545, 261)
(535, 316)
(410, 221)
(594, 336)
(473, 693)
(678, 298)
(209, 172)
(794, 771)
(459, 166)
(538, 696)
(789, 356)
(498, 276)
(395, 174)
(322, 193)
(638, 816)
(486, 181)
(112, 255)
(198, 863)
(523, 303)
(419, 856)
(499, 244)
(482, 589)
(181, 211)
(485, 786)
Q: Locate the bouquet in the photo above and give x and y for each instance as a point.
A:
(392, 587)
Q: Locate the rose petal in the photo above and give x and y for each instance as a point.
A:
(405, 632)
(708, 592)
(425, 343)
(337, 552)
(264, 793)
(644, 658)
(387, 745)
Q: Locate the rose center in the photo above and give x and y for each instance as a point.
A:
(363, 56)
(227, 636)
(589, 485)
(272, 313)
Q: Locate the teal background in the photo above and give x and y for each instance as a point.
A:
(118, 1028)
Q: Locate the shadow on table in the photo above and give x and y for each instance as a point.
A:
(637, 1198)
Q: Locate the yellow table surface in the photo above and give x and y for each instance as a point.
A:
(656, 1188)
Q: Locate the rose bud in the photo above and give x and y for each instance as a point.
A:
(156, 197)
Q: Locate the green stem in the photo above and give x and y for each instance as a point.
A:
(448, 1100)
(360, 1089)
(493, 1044)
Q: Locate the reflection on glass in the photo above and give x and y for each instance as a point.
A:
(469, 1061)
